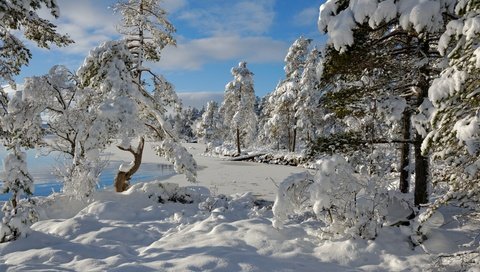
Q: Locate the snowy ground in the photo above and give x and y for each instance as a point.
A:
(221, 176)
(134, 231)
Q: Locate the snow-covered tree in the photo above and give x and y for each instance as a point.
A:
(21, 125)
(415, 26)
(455, 137)
(308, 96)
(70, 115)
(23, 17)
(116, 70)
(20, 122)
(282, 118)
(209, 127)
(184, 123)
(238, 107)
(128, 110)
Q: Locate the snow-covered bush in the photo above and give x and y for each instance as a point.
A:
(348, 205)
(17, 180)
(80, 178)
(17, 220)
(163, 192)
(214, 202)
(293, 197)
(226, 149)
(235, 207)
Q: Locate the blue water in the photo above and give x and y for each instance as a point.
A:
(42, 167)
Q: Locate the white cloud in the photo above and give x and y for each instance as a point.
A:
(192, 55)
(306, 17)
(172, 6)
(88, 23)
(199, 99)
(217, 17)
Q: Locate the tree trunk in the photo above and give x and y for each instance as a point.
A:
(421, 162)
(238, 142)
(405, 153)
(294, 139)
(289, 144)
(122, 178)
(14, 202)
(421, 173)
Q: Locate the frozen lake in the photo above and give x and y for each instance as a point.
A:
(42, 169)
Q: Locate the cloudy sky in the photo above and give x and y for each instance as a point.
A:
(212, 36)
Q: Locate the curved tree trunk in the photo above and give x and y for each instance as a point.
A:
(122, 178)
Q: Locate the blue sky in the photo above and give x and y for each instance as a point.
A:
(212, 36)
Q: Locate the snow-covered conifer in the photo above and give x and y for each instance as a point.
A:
(208, 129)
(115, 70)
(455, 137)
(21, 127)
(402, 33)
(238, 107)
(23, 17)
(20, 121)
(307, 102)
(283, 100)
(127, 109)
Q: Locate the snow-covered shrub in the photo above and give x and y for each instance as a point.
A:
(214, 202)
(226, 149)
(17, 220)
(234, 207)
(80, 178)
(169, 192)
(347, 204)
(293, 197)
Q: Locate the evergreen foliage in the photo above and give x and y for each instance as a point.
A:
(454, 139)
